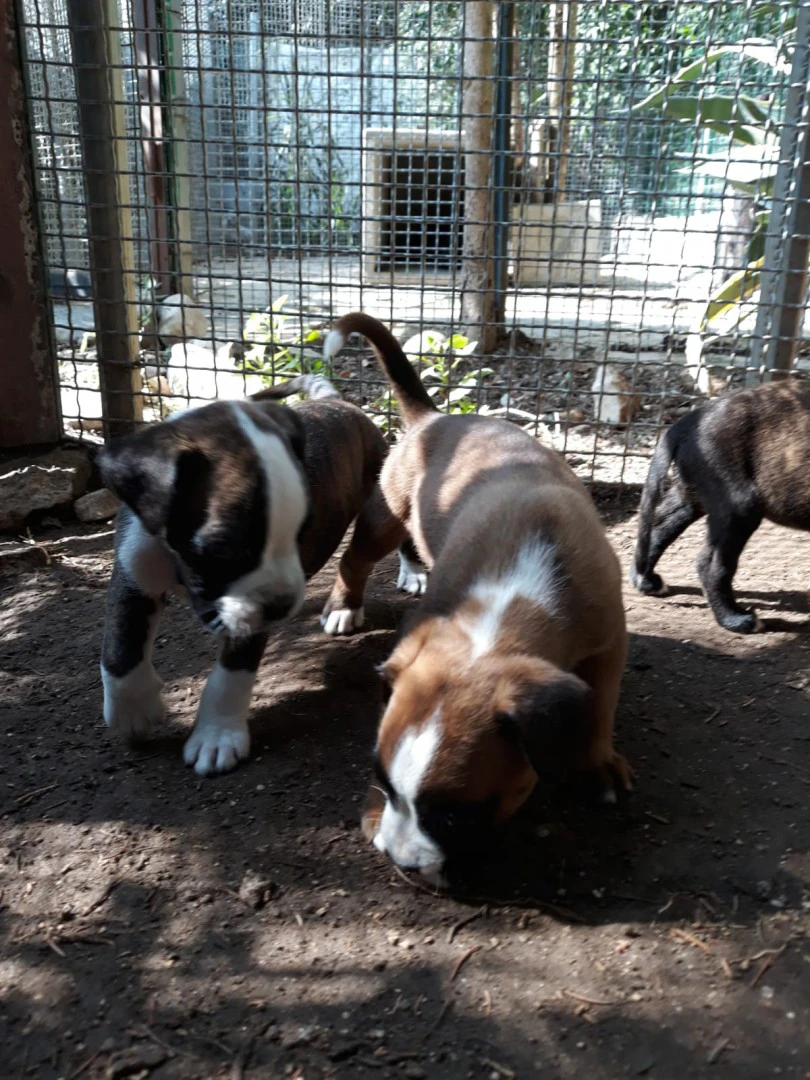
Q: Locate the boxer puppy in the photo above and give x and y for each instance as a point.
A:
(739, 459)
(233, 505)
(510, 669)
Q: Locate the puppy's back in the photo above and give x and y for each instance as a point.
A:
(757, 443)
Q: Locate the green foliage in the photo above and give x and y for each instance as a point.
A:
(627, 50)
(749, 162)
(306, 190)
(447, 354)
(429, 33)
(274, 352)
(453, 395)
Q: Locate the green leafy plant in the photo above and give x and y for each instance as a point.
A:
(444, 354)
(748, 166)
(447, 354)
(273, 351)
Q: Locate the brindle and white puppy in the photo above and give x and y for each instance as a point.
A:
(512, 665)
(737, 460)
(234, 505)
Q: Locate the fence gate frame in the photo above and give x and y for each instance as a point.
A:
(30, 408)
(30, 412)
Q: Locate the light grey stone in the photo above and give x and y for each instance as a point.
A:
(40, 483)
(96, 506)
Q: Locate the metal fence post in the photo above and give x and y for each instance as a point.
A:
(29, 396)
(783, 290)
(111, 258)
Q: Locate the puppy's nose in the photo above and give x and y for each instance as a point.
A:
(277, 607)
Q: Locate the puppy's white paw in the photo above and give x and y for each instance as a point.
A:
(212, 750)
(343, 620)
(412, 577)
(133, 706)
(411, 580)
(220, 739)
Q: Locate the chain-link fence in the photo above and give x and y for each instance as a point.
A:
(590, 193)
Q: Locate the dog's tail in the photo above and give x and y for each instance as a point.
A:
(414, 400)
(642, 577)
(314, 386)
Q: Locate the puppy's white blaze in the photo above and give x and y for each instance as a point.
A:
(280, 572)
(534, 575)
(287, 495)
(399, 834)
(333, 344)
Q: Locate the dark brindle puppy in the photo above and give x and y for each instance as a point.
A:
(738, 460)
(234, 505)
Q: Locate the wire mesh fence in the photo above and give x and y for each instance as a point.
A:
(582, 190)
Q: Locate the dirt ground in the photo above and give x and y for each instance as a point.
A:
(665, 938)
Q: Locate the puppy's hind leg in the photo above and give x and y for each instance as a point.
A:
(728, 533)
(676, 512)
(413, 574)
(377, 533)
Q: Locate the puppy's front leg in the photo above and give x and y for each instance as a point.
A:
(132, 701)
(220, 739)
(603, 673)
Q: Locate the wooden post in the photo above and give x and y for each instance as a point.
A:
(179, 168)
(29, 394)
(150, 62)
(478, 304)
(100, 96)
(503, 172)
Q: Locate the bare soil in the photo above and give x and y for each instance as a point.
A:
(158, 925)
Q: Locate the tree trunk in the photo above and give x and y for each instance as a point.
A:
(561, 55)
(478, 273)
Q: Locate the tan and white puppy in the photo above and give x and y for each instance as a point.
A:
(511, 667)
(233, 505)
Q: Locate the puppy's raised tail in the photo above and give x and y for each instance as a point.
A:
(642, 574)
(314, 386)
(414, 400)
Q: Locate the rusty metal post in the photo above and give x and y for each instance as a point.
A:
(94, 55)
(29, 394)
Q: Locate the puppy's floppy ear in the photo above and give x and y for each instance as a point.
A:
(407, 649)
(143, 470)
(386, 675)
(551, 720)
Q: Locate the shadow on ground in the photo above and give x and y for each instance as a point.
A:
(241, 926)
